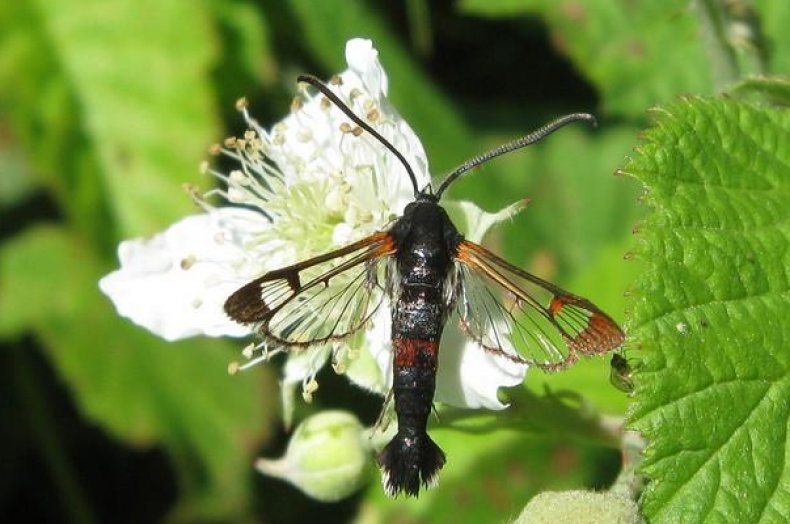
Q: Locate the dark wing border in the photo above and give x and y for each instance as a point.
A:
(271, 299)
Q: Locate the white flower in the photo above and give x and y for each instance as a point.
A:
(310, 184)
(175, 283)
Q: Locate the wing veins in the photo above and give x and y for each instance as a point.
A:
(293, 313)
(583, 328)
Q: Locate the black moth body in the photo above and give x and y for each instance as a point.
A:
(425, 242)
(424, 268)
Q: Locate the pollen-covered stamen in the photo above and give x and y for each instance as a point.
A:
(342, 355)
(253, 155)
(251, 122)
(339, 359)
(255, 353)
(200, 199)
(187, 262)
(296, 104)
(362, 104)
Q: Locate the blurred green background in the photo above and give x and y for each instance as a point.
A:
(107, 108)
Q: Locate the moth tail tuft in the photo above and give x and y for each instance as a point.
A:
(409, 460)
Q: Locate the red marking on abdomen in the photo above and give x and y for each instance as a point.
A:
(415, 353)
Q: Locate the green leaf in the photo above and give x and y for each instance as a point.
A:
(636, 53)
(639, 54)
(496, 460)
(36, 104)
(17, 182)
(497, 475)
(774, 90)
(710, 316)
(774, 18)
(247, 53)
(124, 86)
(139, 388)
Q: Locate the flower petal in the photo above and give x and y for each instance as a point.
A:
(363, 60)
(470, 377)
(314, 144)
(175, 283)
(371, 369)
(475, 222)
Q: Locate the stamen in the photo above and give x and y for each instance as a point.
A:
(254, 362)
(297, 103)
(339, 360)
(309, 386)
(188, 262)
(339, 366)
(251, 122)
(194, 194)
(249, 350)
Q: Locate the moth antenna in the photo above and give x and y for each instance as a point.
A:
(524, 141)
(313, 81)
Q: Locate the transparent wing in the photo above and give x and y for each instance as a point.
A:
(522, 317)
(326, 298)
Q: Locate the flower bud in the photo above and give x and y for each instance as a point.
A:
(579, 507)
(327, 457)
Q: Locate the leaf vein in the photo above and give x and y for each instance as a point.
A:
(782, 293)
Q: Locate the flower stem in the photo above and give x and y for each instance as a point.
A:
(733, 39)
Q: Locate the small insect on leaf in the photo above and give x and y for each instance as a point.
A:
(621, 373)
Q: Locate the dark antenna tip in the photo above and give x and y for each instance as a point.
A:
(526, 140)
(315, 82)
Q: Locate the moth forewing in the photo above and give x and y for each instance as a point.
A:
(323, 299)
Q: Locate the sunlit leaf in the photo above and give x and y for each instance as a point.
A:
(773, 90)
(137, 74)
(774, 17)
(710, 314)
